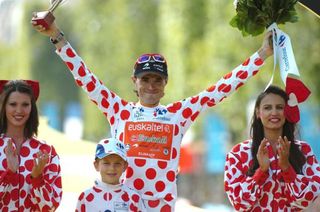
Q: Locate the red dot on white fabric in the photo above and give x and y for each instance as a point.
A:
(153, 203)
(125, 197)
(228, 75)
(140, 162)
(151, 173)
(138, 184)
(107, 196)
(29, 164)
(81, 71)
(34, 144)
(160, 186)
(70, 66)
(258, 62)
(90, 197)
(116, 107)
(242, 74)
(186, 113)
(70, 53)
(166, 208)
(124, 114)
(105, 103)
(174, 153)
(162, 164)
(171, 176)
(129, 172)
(245, 63)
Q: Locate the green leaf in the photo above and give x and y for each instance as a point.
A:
(253, 16)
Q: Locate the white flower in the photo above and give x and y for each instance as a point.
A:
(235, 2)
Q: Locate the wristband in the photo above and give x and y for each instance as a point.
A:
(57, 39)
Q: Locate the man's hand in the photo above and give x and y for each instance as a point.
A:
(266, 49)
(52, 31)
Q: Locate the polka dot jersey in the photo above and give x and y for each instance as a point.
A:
(106, 197)
(20, 192)
(272, 191)
(153, 135)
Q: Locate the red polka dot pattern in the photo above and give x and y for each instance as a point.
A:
(277, 190)
(150, 175)
(103, 197)
(21, 193)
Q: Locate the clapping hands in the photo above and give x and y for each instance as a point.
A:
(39, 162)
(282, 150)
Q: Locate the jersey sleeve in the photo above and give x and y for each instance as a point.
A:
(304, 188)
(46, 190)
(7, 180)
(243, 191)
(106, 100)
(81, 207)
(191, 107)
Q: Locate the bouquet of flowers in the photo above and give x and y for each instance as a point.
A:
(254, 16)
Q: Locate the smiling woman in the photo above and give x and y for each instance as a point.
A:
(272, 158)
(24, 158)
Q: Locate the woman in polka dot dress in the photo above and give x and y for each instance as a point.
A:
(272, 171)
(29, 168)
(151, 131)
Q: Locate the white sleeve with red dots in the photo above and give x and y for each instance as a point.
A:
(107, 101)
(305, 187)
(18, 191)
(274, 190)
(46, 191)
(242, 190)
(191, 107)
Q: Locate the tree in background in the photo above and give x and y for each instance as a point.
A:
(194, 36)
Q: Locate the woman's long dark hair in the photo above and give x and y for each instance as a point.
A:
(31, 127)
(296, 157)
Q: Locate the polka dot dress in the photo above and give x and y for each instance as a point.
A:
(106, 197)
(153, 135)
(272, 191)
(20, 192)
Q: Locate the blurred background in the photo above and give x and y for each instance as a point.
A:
(200, 47)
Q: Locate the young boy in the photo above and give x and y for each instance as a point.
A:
(108, 194)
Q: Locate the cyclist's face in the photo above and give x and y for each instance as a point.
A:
(150, 88)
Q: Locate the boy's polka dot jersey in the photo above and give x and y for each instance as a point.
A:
(153, 135)
(20, 192)
(106, 197)
(272, 191)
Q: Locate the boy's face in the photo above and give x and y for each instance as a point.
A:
(111, 168)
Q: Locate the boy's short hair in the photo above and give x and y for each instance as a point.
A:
(110, 146)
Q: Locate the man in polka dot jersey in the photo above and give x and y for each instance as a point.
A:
(108, 194)
(151, 131)
(30, 178)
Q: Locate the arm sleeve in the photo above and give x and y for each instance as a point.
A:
(107, 101)
(192, 106)
(304, 188)
(46, 190)
(243, 191)
(81, 207)
(8, 181)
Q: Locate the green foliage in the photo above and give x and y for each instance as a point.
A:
(253, 16)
